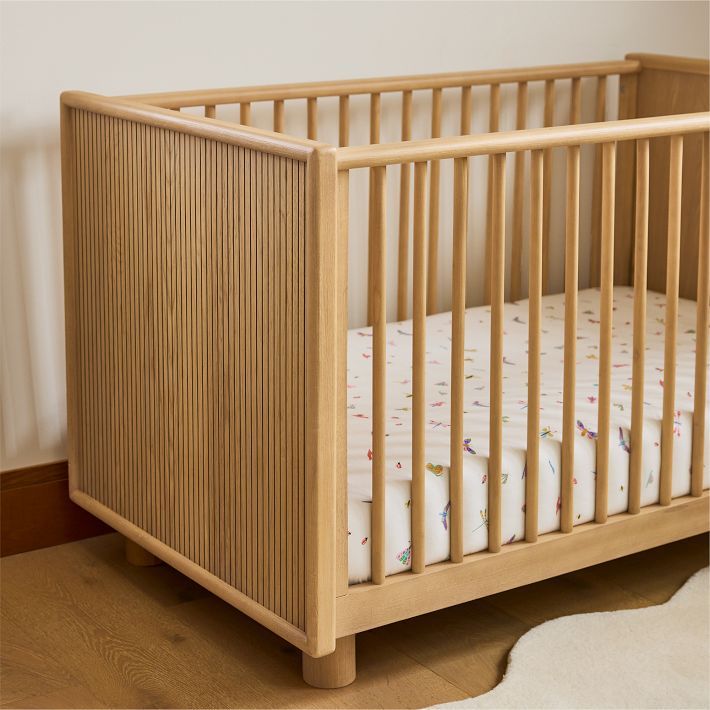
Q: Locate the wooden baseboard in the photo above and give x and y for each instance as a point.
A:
(35, 510)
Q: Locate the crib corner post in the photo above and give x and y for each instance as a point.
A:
(335, 670)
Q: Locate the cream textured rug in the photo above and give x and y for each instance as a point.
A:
(655, 657)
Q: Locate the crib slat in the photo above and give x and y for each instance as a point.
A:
(312, 113)
(606, 305)
(599, 116)
(675, 180)
(210, 111)
(575, 105)
(458, 311)
(639, 347)
(570, 351)
(403, 246)
(548, 120)
(466, 107)
(495, 462)
(534, 327)
(493, 122)
(344, 121)
(278, 116)
(434, 183)
(379, 377)
(374, 138)
(245, 114)
(419, 371)
(701, 330)
(517, 250)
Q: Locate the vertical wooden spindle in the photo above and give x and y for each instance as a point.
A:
(606, 311)
(371, 266)
(403, 245)
(669, 356)
(419, 371)
(639, 347)
(534, 329)
(570, 351)
(210, 111)
(379, 376)
(434, 181)
(575, 102)
(599, 116)
(344, 121)
(495, 462)
(458, 312)
(516, 267)
(548, 120)
(312, 117)
(245, 114)
(701, 329)
(466, 108)
(493, 123)
(278, 116)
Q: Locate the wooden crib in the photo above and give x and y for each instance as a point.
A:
(206, 283)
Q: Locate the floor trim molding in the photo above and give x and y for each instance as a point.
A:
(36, 512)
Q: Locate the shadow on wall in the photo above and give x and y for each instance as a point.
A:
(32, 379)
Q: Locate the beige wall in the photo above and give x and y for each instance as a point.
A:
(116, 48)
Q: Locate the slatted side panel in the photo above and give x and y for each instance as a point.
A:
(190, 360)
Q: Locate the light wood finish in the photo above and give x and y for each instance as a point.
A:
(210, 112)
(138, 556)
(675, 186)
(701, 328)
(403, 241)
(50, 614)
(639, 346)
(344, 121)
(434, 188)
(495, 457)
(245, 114)
(595, 249)
(279, 119)
(419, 372)
(351, 87)
(516, 267)
(672, 85)
(466, 110)
(530, 139)
(493, 124)
(342, 383)
(606, 315)
(548, 121)
(480, 574)
(375, 104)
(570, 344)
(458, 335)
(166, 463)
(333, 671)
(575, 106)
(379, 373)
(312, 118)
(534, 328)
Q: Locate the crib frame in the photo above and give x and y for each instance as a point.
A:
(184, 368)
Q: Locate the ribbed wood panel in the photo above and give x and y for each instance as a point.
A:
(190, 354)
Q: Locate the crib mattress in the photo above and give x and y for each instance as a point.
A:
(476, 406)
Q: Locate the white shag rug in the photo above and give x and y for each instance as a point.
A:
(655, 657)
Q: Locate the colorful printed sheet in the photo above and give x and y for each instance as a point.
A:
(475, 440)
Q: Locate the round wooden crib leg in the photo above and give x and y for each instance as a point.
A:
(136, 555)
(334, 671)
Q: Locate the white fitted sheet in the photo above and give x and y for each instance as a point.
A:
(476, 404)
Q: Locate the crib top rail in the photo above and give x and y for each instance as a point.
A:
(383, 154)
(351, 87)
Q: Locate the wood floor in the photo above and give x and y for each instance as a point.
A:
(81, 628)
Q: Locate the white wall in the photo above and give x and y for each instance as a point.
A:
(116, 48)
